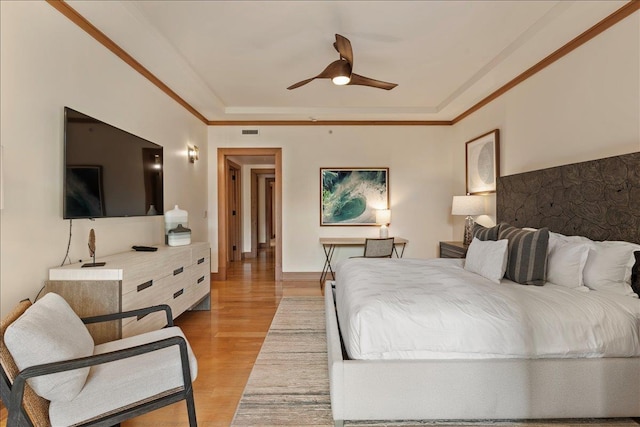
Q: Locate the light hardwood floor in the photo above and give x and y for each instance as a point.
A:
(226, 341)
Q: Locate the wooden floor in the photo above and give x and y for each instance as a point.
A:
(226, 341)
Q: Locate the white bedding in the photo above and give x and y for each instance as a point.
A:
(434, 309)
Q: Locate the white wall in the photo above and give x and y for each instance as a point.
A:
(47, 62)
(419, 161)
(583, 107)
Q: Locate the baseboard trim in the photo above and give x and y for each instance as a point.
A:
(219, 275)
(304, 276)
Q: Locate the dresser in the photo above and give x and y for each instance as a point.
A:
(179, 276)
(453, 250)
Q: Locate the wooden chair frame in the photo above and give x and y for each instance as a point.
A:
(12, 393)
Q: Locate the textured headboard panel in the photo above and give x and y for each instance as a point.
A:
(599, 199)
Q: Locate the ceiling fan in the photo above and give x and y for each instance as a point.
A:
(340, 71)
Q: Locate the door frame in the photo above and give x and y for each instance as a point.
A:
(223, 153)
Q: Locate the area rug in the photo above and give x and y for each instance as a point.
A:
(289, 383)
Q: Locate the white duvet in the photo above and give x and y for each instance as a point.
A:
(434, 309)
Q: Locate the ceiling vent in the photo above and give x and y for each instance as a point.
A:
(249, 131)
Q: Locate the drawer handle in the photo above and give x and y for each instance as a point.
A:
(200, 280)
(177, 294)
(178, 271)
(145, 285)
(201, 260)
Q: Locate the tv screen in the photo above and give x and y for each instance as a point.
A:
(109, 172)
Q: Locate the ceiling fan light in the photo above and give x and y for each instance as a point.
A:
(341, 80)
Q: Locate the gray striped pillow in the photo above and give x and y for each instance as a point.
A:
(484, 233)
(527, 262)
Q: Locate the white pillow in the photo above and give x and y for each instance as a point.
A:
(609, 266)
(50, 331)
(487, 258)
(565, 263)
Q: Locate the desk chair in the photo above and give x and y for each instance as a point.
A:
(378, 248)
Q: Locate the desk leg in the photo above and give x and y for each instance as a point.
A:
(328, 253)
(395, 249)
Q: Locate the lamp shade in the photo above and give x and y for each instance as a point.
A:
(383, 216)
(468, 205)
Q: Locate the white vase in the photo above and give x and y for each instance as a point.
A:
(173, 218)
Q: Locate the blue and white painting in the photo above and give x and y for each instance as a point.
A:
(351, 196)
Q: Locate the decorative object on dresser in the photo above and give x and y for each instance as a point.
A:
(177, 276)
(350, 196)
(179, 236)
(174, 218)
(453, 250)
(92, 251)
(468, 206)
(383, 217)
(482, 159)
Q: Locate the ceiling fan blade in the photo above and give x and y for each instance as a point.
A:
(357, 79)
(343, 46)
(301, 83)
(332, 70)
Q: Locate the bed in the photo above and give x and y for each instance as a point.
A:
(374, 378)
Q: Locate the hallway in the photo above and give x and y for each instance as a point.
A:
(226, 340)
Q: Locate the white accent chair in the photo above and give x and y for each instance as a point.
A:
(53, 374)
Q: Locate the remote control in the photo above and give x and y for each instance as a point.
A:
(144, 248)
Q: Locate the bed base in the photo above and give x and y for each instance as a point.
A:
(477, 389)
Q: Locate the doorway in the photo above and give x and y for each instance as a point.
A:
(224, 223)
(262, 209)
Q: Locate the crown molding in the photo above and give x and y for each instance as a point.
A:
(628, 9)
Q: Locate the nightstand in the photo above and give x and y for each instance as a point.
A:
(453, 250)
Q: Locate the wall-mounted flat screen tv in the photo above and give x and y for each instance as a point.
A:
(109, 172)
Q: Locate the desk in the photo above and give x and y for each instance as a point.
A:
(329, 245)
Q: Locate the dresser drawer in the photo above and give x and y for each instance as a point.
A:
(154, 292)
(150, 322)
(200, 254)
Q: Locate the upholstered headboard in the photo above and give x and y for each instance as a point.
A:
(599, 199)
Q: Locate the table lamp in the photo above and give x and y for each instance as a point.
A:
(383, 218)
(468, 205)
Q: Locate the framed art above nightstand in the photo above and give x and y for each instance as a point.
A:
(453, 250)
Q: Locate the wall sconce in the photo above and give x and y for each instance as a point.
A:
(383, 217)
(193, 153)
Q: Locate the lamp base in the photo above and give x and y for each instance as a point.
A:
(468, 230)
(384, 232)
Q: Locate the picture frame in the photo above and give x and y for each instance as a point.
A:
(482, 163)
(351, 196)
(84, 195)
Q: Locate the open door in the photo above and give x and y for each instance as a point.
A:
(233, 212)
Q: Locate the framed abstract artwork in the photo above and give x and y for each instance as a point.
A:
(351, 196)
(483, 163)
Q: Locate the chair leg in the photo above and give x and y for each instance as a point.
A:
(191, 409)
